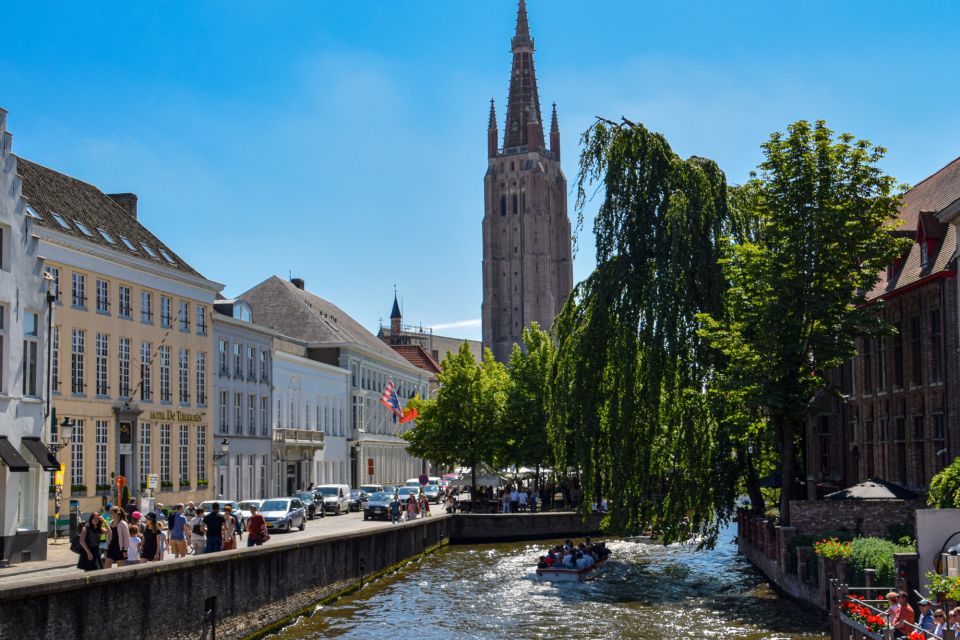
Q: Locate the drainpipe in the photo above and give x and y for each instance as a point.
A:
(946, 369)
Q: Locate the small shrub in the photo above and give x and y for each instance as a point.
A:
(874, 553)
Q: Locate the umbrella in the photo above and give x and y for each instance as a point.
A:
(873, 489)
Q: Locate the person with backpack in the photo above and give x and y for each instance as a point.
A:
(196, 536)
(256, 528)
(88, 541)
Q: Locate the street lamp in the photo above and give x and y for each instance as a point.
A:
(224, 450)
(64, 435)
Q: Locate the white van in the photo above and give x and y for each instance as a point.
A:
(336, 497)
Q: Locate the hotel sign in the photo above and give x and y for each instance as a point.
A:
(176, 416)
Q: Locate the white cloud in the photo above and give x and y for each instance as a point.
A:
(459, 324)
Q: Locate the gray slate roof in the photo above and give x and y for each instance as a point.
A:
(48, 192)
(294, 312)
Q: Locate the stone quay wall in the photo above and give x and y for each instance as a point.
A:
(250, 591)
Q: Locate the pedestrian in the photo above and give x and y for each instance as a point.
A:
(118, 538)
(105, 516)
(411, 508)
(522, 500)
(151, 539)
(425, 505)
(178, 532)
(450, 504)
(190, 511)
(506, 501)
(514, 500)
(230, 530)
(395, 508)
(256, 528)
(532, 500)
(133, 551)
(925, 615)
(904, 617)
(162, 540)
(129, 509)
(214, 526)
(195, 535)
(90, 533)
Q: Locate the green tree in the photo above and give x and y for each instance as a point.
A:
(527, 399)
(628, 408)
(464, 424)
(814, 235)
(945, 487)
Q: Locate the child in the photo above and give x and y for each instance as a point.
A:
(133, 550)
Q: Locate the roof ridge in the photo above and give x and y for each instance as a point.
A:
(934, 174)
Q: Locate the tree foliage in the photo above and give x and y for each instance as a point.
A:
(813, 234)
(463, 425)
(628, 409)
(529, 372)
(945, 487)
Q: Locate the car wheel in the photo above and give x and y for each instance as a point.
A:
(365, 516)
(303, 524)
(289, 527)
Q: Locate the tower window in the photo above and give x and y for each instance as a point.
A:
(514, 204)
(503, 205)
(511, 165)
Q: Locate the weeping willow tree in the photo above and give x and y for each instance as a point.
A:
(629, 410)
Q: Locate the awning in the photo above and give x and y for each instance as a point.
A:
(11, 457)
(43, 455)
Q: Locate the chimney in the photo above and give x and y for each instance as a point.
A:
(298, 282)
(127, 202)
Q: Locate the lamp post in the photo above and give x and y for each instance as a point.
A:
(224, 451)
(64, 437)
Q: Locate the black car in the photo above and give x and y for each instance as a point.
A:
(358, 499)
(309, 504)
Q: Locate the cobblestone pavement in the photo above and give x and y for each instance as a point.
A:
(61, 561)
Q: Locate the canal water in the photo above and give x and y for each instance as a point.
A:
(646, 592)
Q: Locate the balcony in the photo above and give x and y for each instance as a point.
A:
(298, 437)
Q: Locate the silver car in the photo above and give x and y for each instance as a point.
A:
(283, 514)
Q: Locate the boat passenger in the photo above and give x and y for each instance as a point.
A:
(568, 559)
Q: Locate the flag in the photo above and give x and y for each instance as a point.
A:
(390, 400)
(410, 413)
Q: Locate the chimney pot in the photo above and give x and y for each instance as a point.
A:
(298, 282)
(127, 201)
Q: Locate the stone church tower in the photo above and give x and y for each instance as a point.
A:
(527, 260)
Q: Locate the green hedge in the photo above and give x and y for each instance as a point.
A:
(875, 553)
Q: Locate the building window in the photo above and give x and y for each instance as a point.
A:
(124, 367)
(201, 377)
(936, 355)
(55, 274)
(939, 453)
(31, 353)
(222, 349)
(237, 360)
(145, 466)
(76, 454)
(77, 384)
(79, 290)
(164, 373)
(184, 371)
(916, 351)
(264, 367)
(238, 413)
(101, 453)
(263, 475)
(201, 320)
(102, 352)
(103, 296)
(224, 424)
(264, 413)
(184, 316)
(201, 453)
(165, 453)
(252, 415)
(54, 358)
(146, 307)
(251, 363)
(882, 363)
(124, 301)
(165, 312)
(867, 366)
(898, 356)
(919, 452)
(184, 454)
(146, 384)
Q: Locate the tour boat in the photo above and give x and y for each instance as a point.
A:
(559, 574)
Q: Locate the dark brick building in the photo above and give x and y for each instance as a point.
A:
(899, 418)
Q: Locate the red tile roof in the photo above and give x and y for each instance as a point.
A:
(415, 355)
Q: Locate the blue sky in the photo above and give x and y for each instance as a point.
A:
(345, 142)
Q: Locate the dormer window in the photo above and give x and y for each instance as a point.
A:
(924, 254)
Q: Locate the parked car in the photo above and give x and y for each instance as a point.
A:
(336, 497)
(378, 506)
(283, 514)
(234, 507)
(244, 507)
(358, 499)
(371, 489)
(433, 493)
(309, 500)
(405, 492)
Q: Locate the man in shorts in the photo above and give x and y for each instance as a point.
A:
(178, 533)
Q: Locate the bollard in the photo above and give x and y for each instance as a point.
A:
(869, 578)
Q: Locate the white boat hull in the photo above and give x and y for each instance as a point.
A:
(569, 575)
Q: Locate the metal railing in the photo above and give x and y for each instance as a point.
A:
(846, 626)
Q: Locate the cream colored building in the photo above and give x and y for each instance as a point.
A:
(132, 345)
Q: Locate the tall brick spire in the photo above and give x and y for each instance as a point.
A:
(523, 105)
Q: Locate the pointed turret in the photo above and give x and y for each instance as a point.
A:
(555, 134)
(523, 105)
(396, 318)
(492, 133)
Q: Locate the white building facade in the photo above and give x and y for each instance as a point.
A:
(24, 476)
(243, 405)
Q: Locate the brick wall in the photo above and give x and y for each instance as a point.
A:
(868, 517)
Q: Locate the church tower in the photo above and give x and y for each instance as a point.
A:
(527, 260)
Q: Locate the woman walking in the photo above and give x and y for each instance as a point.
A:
(150, 551)
(411, 508)
(256, 528)
(118, 538)
(90, 543)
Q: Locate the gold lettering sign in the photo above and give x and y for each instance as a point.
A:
(176, 416)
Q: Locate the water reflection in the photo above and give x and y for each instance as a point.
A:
(647, 592)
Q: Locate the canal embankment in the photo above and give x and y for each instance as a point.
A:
(245, 591)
